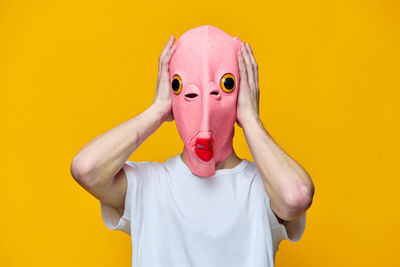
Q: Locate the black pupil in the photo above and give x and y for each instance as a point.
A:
(229, 83)
(175, 85)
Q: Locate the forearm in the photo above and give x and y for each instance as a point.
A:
(288, 185)
(100, 159)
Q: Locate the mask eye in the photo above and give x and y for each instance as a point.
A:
(176, 84)
(228, 83)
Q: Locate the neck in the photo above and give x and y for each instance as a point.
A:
(230, 162)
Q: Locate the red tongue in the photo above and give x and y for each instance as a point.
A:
(204, 149)
(203, 143)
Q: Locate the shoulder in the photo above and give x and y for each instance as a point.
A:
(148, 168)
(251, 171)
(251, 167)
(248, 168)
(142, 165)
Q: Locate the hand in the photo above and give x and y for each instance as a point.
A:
(248, 98)
(162, 97)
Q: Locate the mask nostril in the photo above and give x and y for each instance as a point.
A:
(214, 93)
(191, 95)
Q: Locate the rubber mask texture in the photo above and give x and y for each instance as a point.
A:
(204, 76)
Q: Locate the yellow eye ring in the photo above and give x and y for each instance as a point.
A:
(228, 83)
(176, 84)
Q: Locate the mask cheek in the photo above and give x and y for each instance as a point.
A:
(224, 121)
(187, 118)
(225, 112)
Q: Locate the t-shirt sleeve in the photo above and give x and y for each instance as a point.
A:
(293, 231)
(111, 218)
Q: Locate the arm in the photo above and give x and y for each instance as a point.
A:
(98, 165)
(288, 185)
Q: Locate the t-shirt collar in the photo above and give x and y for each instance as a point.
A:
(219, 172)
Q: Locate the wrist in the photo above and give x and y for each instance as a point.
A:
(251, 122)
(159, 111)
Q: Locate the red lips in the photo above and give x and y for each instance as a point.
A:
(204, 148)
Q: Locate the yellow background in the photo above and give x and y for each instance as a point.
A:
(329, 82)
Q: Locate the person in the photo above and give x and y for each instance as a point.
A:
(204, 206)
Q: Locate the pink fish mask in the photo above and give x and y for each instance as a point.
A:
(204, 77)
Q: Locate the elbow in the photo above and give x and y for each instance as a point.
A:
(300, 199)
(81, 171)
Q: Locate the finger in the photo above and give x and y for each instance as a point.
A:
(165, 58)
(254, 63)
(167, 46)
(165, 64)
(249, 66)
(242, 68)
(169, 54)
(166, 49)
(164, 52)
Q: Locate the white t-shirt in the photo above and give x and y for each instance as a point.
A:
(178, 219)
